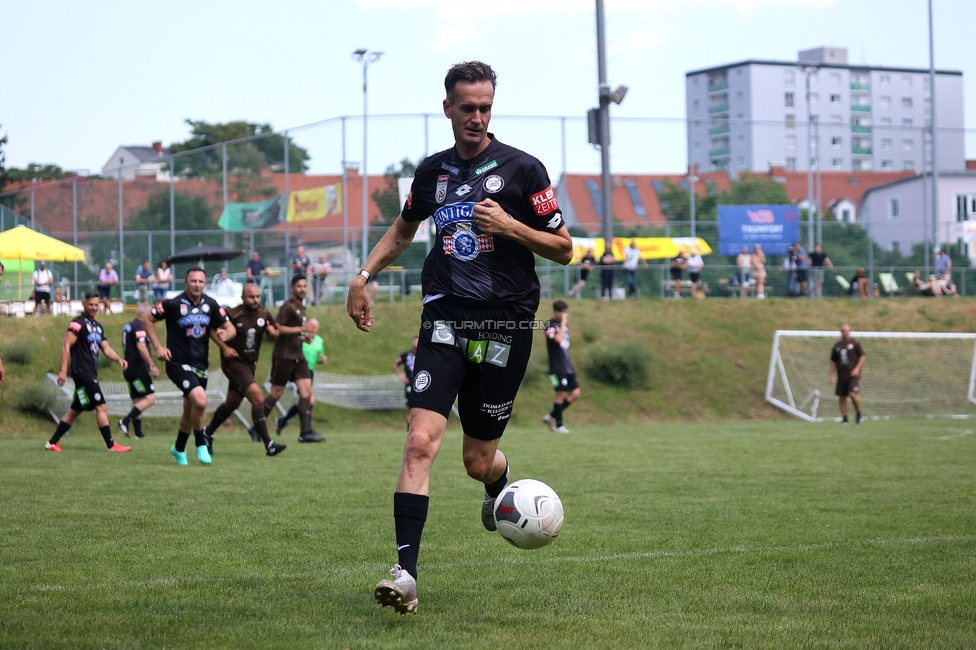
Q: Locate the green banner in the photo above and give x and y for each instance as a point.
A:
(251, 216)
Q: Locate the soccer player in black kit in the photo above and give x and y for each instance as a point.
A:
(192, 318)
(561, 371)
(140, 373)
(495, 209)
(239, 357)
(84, 338)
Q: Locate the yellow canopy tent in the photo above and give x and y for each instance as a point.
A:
(22, 243)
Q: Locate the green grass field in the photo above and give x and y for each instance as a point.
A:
(760, 534)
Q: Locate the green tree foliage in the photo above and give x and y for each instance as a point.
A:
(37, 172)
(190, 212)
(244, 158)
(748, 189)
(387, 199)
(11, 202)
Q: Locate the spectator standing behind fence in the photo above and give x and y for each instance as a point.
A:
(819, 259)
(144, 279)
(744, 264)
(789, 269)
(107, 278)
(695, 265)
(164, 279)
(632, 257)
(42, 280)
(320, 274)
(586, 265)
(606, 274)
(677, 268)
(943, 266)
(758, 258)
(255, 268)
(300, 263)
(802, 268)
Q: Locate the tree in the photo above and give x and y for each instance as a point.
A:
(6, 201)
(243, 158)
(37, 172)
(388, 198)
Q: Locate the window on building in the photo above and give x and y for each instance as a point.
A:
(694, 81)
(835, 78)
(635, 197)
(697, 146)
(893, 209)
(835, 99)
(837, 119)
(741, 139)
(885, 121)
(857, 164)
(836, 142)
(896, 247)
(908, 144)
(906, 121)
(845, 214)
(789, 77)
(790, 144)
(694, 104)
(791, 164)
(788, 100)
(928, 105)
(885, 144)
(814, 98)
(837, 163)
(884, 79)
(885, 101)
(906, 102)
(925, 82)
(909, 166)
(790, 121)
(594, 191)
(906, 80)
(886, 164)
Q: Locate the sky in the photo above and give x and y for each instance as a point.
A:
(82, 78)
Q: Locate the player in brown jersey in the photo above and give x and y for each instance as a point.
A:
(846, 360)
(288, 361)
(238, 358)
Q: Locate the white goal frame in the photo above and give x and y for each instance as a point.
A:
(807, 406)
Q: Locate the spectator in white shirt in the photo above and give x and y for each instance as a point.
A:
(42, 279)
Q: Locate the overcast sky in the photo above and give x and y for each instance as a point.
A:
(81, 78)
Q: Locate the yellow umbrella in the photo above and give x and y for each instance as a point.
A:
(22, 243)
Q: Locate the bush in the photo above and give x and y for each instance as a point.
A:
(18, 352)
(36, 400)
(625, 364)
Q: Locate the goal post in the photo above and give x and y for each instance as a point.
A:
(906, 374)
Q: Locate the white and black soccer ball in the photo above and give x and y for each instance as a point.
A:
(529, 514)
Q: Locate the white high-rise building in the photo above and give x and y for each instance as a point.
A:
(751, 115)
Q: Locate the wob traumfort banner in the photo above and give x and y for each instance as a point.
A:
(774, 227)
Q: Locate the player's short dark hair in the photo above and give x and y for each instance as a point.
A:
(469, 72)
(193, 270)
(297, 277)
(91, 294)
(560, 305)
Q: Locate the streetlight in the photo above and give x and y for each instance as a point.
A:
(808, 69)
(365, 57)
(602, 119)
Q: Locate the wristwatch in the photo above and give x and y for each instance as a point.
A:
(365, 274)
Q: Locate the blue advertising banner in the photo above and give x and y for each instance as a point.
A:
(774, 227)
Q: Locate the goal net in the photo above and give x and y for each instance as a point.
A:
(906, 373)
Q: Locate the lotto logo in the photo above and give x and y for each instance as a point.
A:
(544, 202)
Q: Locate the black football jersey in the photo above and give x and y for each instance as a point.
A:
(84, 352)
(463, 262)
(188, 327)
(133, 333)
(559, 363)
(250, 327)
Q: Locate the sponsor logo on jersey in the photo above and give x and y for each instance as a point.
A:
(206, 308)
(464, 189)
(74, 326)
(544, 202)
(410, 199)
(494, 183)
(466, 245)
(451, 168)
(487, 167)
(441, 192)
(556, 221)
(453, 213)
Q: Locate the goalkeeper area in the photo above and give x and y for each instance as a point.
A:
(905, 374)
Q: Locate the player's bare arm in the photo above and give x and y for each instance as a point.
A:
(111, 354)
(387, 250)
(143, 350)
(69, 340)
(491, 219)
(225, 350)
(161, 351)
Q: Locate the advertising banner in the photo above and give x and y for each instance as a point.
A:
(651, 248)
(774, 227)
(250, 216)
(316, 203)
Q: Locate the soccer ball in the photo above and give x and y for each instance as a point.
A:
(529, 514)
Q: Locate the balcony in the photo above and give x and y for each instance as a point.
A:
(860, 108)
(718, 108)
(861, 151)
(718, 130)
(716, 87)
(719, 153)
(857, 86)
(857, 128)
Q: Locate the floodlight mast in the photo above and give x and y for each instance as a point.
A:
(365, 57)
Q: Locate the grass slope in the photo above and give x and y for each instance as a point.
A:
(709, 357)
(764, 534)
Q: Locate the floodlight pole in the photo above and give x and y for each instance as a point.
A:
(935, 162)
(604, 126)
(365, 57)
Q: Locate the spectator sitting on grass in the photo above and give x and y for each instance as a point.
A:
(860, 285)
(930, 288)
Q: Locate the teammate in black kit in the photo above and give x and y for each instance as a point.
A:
(192, 319)
(495, 209)
(561, 371)
(406, 360)
(288, 362)
(85, 337)
(140, 373)
(239, 356)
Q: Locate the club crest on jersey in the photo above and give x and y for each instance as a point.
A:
(183, 310)
(206, 308)
(260, 322)
(494, 183)
(466, 245)
(441, 192)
